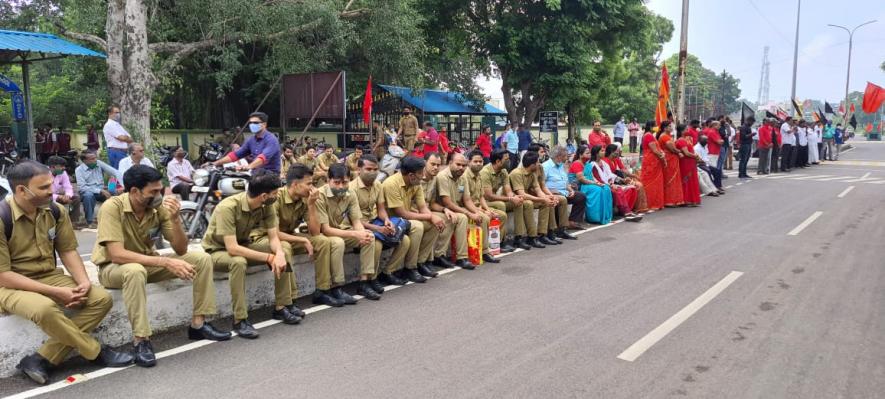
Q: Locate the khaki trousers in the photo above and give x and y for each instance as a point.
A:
(458, 227)
(397, 258)
(521, 213)
(545, 213)
(64, 333)
(429, 236)
(236, 266)
(322, 262)
(133, 278)
(367, 255)
(409, 142)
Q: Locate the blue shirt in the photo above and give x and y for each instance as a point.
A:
(620, 127)
(838, 136)
(512, 140)
(525, 139)
(92, 180)
(557, 177)
(266, 147)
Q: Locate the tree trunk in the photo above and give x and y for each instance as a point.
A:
(572, 125)
(136, 104)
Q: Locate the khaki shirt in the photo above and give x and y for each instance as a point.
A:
(291, 212)
(117, 223)
(398, 195)
(324, 161)
(431, 192)
(20, 255)
(232, 217)
(474, 185)
(408, 125)
(494, 180)
(310, 163)
(522, 179)
(367, 197)
(340, 213)
(448, 186)
(351, 161)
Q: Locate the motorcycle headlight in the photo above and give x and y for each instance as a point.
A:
(201, 177)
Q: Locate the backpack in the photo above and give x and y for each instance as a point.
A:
(6, 216)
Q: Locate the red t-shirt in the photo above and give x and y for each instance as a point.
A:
(598, 139)
(577, 167)
(484, 144)
(765, 136)
(693, 133)
(712, 138)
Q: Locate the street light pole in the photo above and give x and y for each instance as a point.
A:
(848, 72)
(683, 54)
(796, 51)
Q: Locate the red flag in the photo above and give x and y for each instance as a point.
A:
(852, 108)
(842, 108)
(367, 104)
(663, 96)
(873, 97)
(869, 127)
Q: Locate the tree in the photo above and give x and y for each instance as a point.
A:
(707, 94)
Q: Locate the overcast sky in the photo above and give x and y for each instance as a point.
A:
(731, 34)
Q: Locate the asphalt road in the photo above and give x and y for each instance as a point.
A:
(804, 319)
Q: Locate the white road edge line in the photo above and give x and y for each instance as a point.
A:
(661, 331)
(844, 193)
(805, 224)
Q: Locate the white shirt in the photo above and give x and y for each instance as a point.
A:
(605, 172)
(702, 152)
(787, 135)
(802, 135)
(126, 163)
(112, 129)
(818, 135)
(175, 169)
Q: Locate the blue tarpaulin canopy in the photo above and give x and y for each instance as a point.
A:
(441, 102)
(26, 47)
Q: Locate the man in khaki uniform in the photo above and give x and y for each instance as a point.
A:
(524, 181)
(474, 182)
(324, 161)
(351, 161)
(32, 287)
(297, 204)
(453, 194)
(369, 195)
(340, 218)
(456, 223)
(404, 196)
(500, 196)
(124, 252)
(233, 244)
(408, 128)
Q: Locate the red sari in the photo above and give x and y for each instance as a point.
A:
(672, 177)
(652, 174)
(688, 168)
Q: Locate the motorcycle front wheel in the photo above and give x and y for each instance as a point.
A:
(187, 216)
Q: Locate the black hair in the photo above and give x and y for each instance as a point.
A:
(498, 155)
(610, 149)
(534, 147)
(580, 151)
(298, 171)
(431, 154)
(649, 125)
(694, 122)
(338, 171)
(680, 128)
(263, 181)
(662, 128)
(359, 147)
(56, 160)
(111, 108)
(366, 158)
(139, 176)
(22, 173)
(751, 120)
(530, 158)
(260, 115)
(412, 164)
(474, 153)
(594, 152)
(87, 153)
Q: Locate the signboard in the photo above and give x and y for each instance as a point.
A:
(351, 140)
(303, 95)
(8, 85)
(548, 121)
(18, 106)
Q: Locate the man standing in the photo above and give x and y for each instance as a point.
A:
(454, 195)
(801, 159)
(136, 157)
(829, 142)
(510, 142)
(633, 128)
(495, 180)
(90, 184)
(179, 171)
(408, 128)
(692, 131)
(124, 252)
(765, 145)
(115, 136)
(525, 139)
(597, 137)
(788, 137)
(620, 129)
(524, 181)
(556, 176)
(244, 231)
(34, 288)
(262, 150)
(715, 144)
(839, 139)
(745, 139)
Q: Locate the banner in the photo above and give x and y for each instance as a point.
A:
(367, 105)
(663, 96)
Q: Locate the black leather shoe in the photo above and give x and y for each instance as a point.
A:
(390, 279)
(522, 242)
(321, 297)
(552, 237)
(561, 233)
(490, 259)
(35, 367)
(342, 296)
(285, 315)
(546, 241)
(297, 312)
(426, 271)
(465, 264)
(111, 358)
(365, 289)
(534, 242)
(413, 276)
(144, 354)
(376, 286)
(506, 248)
(442, 261)
(207, 331)
(245, 329)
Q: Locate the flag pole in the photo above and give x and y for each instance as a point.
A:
(683, 54)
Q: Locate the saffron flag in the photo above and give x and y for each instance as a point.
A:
(367, 105)
(873, 97)
(663, 96)
(869, 127)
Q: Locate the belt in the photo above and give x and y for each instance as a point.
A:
(117, 149)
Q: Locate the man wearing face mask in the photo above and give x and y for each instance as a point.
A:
(340, 219)
(244, 231)
(34, 288)
(125, 254)
(263, 148)
(91, 183)
(408, 128)
(369, 195)
(115, 136)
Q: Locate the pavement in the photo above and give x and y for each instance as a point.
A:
(774, 290)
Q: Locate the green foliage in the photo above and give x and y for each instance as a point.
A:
(719, 92)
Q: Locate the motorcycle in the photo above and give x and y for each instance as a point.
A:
(165, 153)
(7, 161)
(211, 184)
(210, 152)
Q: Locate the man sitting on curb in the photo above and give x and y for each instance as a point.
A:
(475, 164)
(497, 191)
(456, 223)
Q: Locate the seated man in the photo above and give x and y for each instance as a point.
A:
(324, 161)
(557, 202)
(524, 181)
(497, 191)
(454, 195)
(180, 172)
(124, 252)
(62, 190)
(243, 231)
(136, 157)
(339, 216)
(369, 195)
(556, 181)
(90, 184)
(351, 161)
(32, 287)
(456, 223)
(706, 167)
(472, 174)
(404, 196)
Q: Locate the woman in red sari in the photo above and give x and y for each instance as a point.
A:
(652, 172)
(672, 177)
(688, 168)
